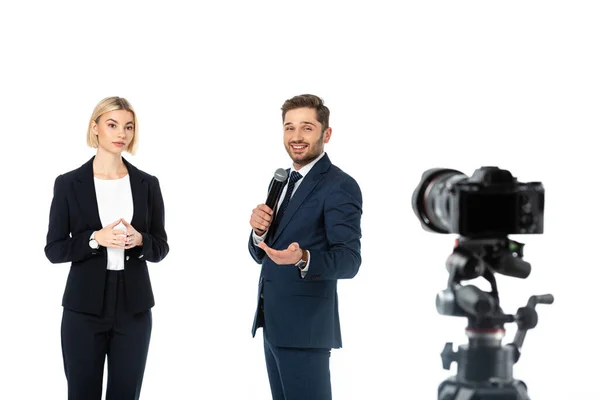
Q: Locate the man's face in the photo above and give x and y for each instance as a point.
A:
(303, 135)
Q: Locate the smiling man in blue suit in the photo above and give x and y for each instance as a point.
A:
(310, 241)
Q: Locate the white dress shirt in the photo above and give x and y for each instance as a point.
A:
(115, 201)
(302, 171)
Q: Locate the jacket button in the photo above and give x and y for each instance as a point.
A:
(127, 258)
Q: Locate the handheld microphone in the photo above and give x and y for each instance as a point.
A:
(277, 184)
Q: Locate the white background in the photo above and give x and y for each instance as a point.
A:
(410, 85)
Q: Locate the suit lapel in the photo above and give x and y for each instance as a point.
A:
(307, 185)
(85, 192)
(139, 191)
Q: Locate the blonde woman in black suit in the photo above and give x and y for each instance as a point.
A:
(107, 219)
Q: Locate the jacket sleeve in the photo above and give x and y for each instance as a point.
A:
(342, 214)
(256, 252)
(61, 247)
(155, 247)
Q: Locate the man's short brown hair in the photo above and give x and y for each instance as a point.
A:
(310, 101)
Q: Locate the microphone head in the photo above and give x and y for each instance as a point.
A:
(281, 175)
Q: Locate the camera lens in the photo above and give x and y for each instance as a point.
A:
(431, 198)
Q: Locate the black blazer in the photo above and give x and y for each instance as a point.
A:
(74, 216)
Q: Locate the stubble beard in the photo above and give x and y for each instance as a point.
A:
(301, 161)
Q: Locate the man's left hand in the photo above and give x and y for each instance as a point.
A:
(291, 255)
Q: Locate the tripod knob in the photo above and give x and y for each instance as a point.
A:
(448, 356)
(527, 318)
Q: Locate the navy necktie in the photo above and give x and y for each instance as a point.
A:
(294, 177)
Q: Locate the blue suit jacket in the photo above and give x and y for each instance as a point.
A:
(323, 216)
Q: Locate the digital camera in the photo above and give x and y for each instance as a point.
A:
(491, 203)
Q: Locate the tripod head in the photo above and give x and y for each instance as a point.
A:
(483, 257)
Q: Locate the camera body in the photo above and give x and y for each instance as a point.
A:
(491, 203)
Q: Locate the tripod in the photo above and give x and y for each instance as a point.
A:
(485, 366)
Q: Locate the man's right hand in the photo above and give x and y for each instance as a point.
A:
(111, 237)
(261, 219)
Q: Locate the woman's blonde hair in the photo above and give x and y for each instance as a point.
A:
(107, 105)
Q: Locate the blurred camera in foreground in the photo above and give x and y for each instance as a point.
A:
(483, 210)
(491, 203)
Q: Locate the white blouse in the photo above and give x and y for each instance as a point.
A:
(115, 201)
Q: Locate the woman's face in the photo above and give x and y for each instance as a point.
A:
(114, 130)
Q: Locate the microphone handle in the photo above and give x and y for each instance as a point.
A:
(274, 193)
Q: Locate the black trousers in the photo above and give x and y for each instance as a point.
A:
(118, 336)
